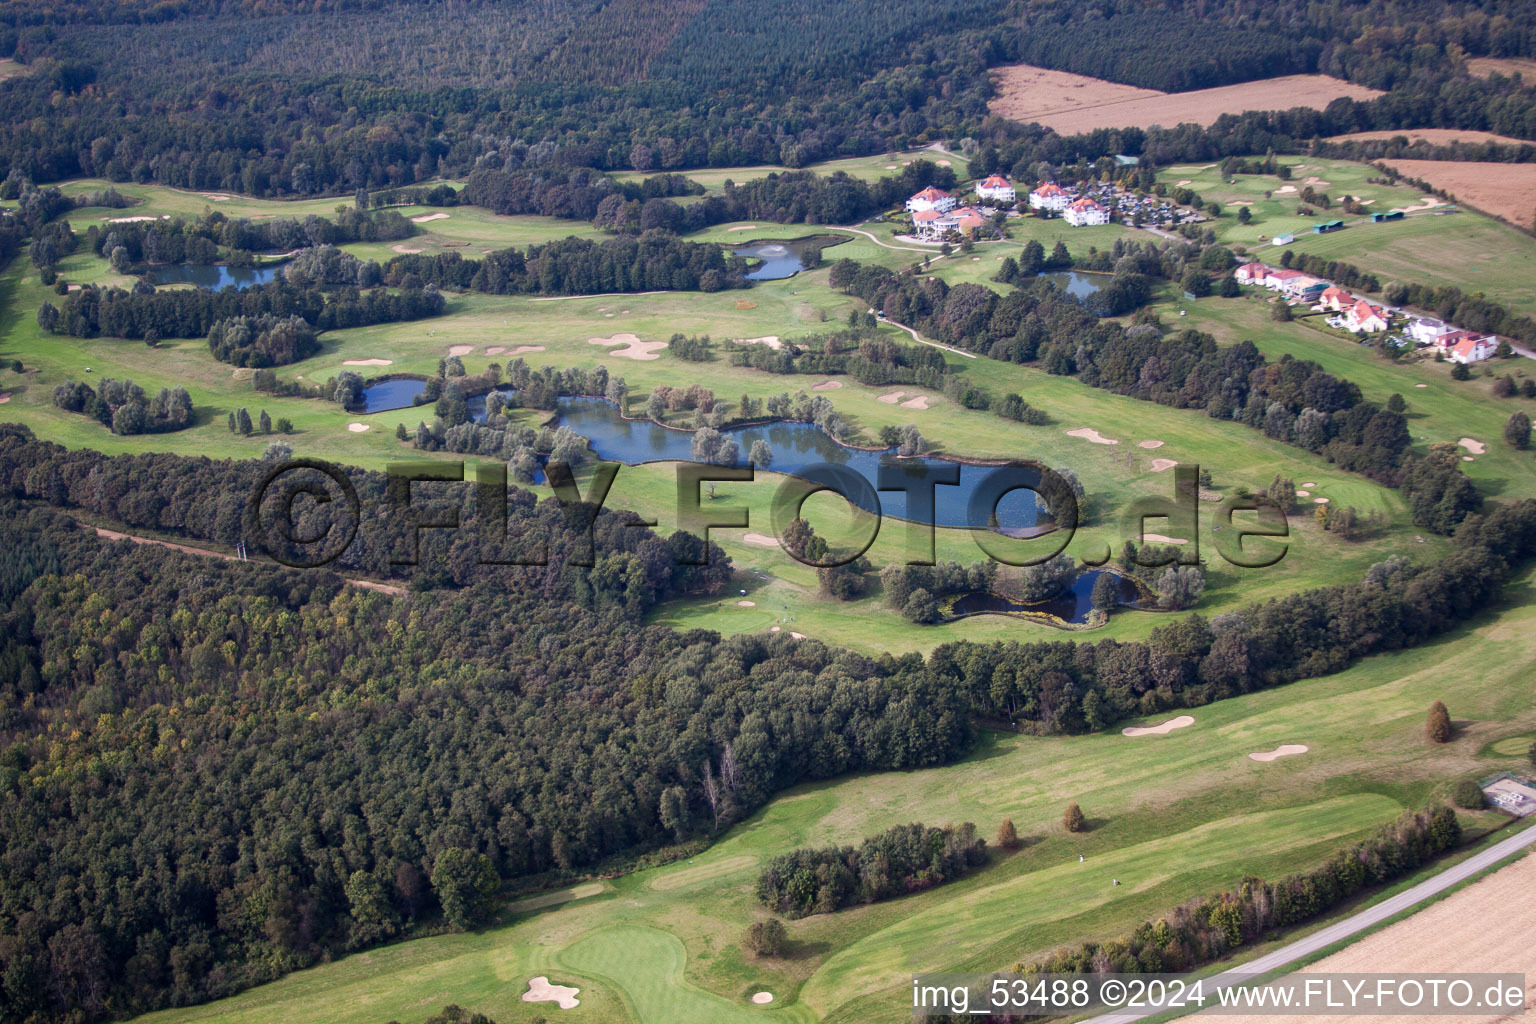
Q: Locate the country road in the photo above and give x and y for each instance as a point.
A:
(1366, 918)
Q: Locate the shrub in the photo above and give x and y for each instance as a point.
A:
(1073, 819)
(1438, 725)
(1469, 794)
(1007, 835)
(766, 938)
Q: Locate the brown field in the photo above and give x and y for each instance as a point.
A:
(1072, 104)
(1482, 67)
(1507, 191)
(1435, 136)
(1490, 926)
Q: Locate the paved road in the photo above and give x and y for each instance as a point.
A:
(1368, 917)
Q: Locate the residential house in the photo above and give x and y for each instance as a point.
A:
(1251, 273)
(1335, 299)
(1050, 197)
(1469, 346)
(1084, 212)
(931, 198)
(1428, 331)
(1365, 318)
(1275, 280)
(996, 189)
(968, 220)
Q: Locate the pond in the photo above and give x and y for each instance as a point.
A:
(1076, 283)
(781, 259)
(797, 447)
(213, 276)
(1072, 606)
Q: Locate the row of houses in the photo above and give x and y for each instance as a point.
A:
(1361, 316)
(936, 212)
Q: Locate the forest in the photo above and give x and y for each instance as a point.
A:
(237, 730)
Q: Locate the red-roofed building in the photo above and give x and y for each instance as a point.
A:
(1336, 299)
(1251, 273)
(1365, 318)
(1051, 197)
(1467, 346)
(996, 189)
(1084, 212)
(931, 198)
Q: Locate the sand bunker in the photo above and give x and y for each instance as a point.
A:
(521, 349)
(427, 218)
(745, 304)
(1183, 721)
(495, 350)
(1285, 190)
(1421, 385)
(1157, 538)
(404, 250)
(942, 163)
(920, 402)
(797, 636)
(746, 604)
(215, 197)
(1149, 444)
(1467, 458)
(890, 167)
(1475, 447)
(743, 227)
(775, 629)
(633, 348)
(762, 998)
(1310, 483)
(1283, 750)
(771, 340)
(357, 428)
(130, 220)
(1181, 182)
(827, 385)
(1158, 465)
(892, 398)
(757, 540)
(541, 991)
(1303, 494)
(460, 350)
(4, 399)
(1319, 501)
(366, 362)
(1088, 433)
(1313, 179)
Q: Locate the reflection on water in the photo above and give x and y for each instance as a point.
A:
(214, 277)
(1071, 606)
(1077, 284)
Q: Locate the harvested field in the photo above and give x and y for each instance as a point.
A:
(1482, 67)
(1457, 934)
(1507, 191)
(1073, 104)
(1433, 136)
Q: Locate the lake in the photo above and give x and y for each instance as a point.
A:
(213, 276)
(797, 449)
(1072, 606)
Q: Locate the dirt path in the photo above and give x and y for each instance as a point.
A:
(383, 588)
(924, 341)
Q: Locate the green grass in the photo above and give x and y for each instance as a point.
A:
(1469, 250)
(867, 168)
(1173, 817)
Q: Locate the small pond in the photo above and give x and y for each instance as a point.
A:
(213, 276)
(397, 394)
(781, 259)
(1072, 606)
(1076, 283)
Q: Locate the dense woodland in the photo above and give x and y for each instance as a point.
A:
(237, 731)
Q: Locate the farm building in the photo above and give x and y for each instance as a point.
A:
(996, 189)
(931, 198)
(1085, 212)
(1050, 197)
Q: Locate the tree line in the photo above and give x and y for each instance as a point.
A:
(903, 859)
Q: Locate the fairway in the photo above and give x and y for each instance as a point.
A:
(1155, 803)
